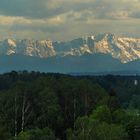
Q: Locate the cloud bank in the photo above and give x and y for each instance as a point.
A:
(67, 19)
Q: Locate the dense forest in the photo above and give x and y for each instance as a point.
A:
(40, 106)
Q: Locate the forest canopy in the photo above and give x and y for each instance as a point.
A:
(49, 106)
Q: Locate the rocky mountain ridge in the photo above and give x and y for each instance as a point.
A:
(122, 48)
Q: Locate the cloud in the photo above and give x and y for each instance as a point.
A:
(62, 19)
(49, 8)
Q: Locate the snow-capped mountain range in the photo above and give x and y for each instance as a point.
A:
(122, 48)
(102, 53)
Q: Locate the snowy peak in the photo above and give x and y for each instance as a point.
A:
(27, 47)
(11, 42)
(121, 48)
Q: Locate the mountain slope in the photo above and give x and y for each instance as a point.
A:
(123, 49)
(99, 53)
(84, 63)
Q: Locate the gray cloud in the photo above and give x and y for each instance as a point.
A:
(29, 8)
(70, 17)
(49, 8)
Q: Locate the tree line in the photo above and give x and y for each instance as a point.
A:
(40, 106)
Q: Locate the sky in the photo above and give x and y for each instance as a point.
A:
(67, 19)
